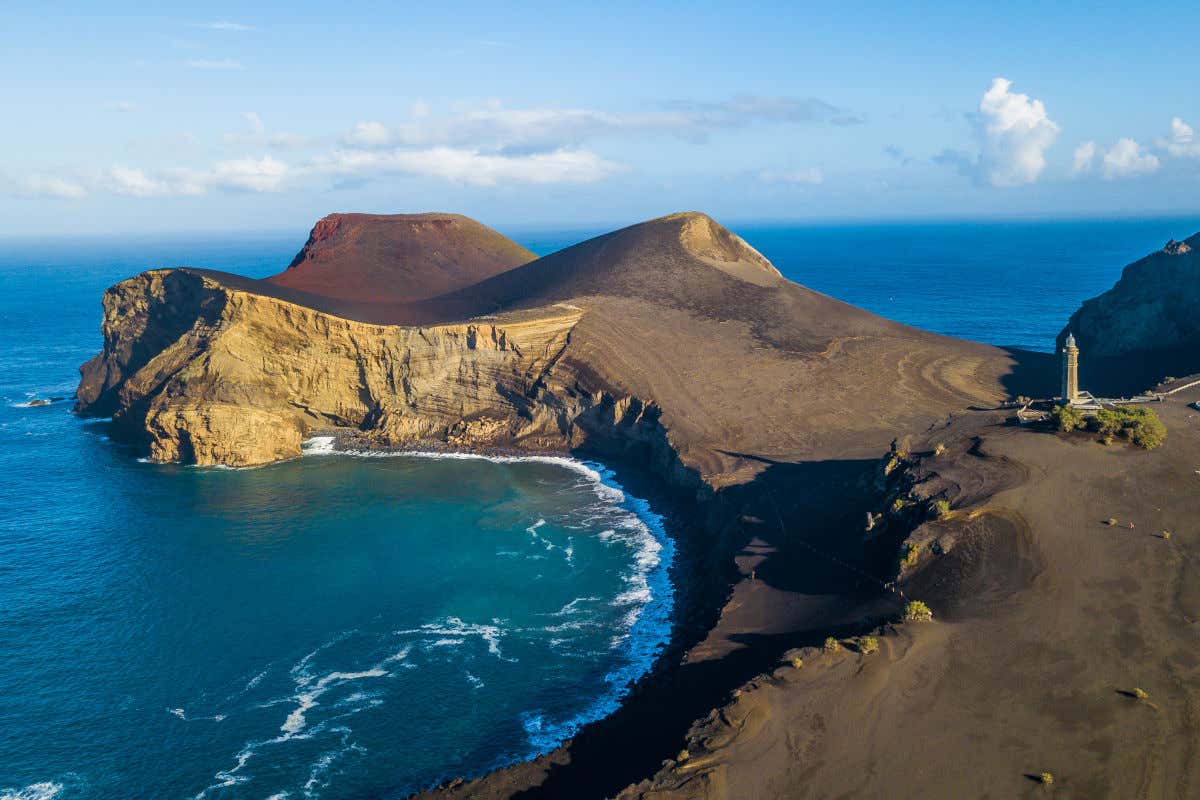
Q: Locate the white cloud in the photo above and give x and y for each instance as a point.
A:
(806, 176)
(1183, 142)
(259, 137)
(124, 106)
(126, 180)
(495, 127)
(255, 121)
(245, 174)
(470, 166)
(1084, 159)
(1126, 159)
(50, 186)
(1016, 133)
(370, 134)
(225, 25)
(265, 174)
(216, 65)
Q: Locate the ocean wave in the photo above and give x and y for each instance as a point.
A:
(456, 628)
(646, 601)
(43, 790)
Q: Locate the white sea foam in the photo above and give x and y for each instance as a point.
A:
(43, 790)
(318, 445)
(645, 603)
(475, 681)
(456, 628)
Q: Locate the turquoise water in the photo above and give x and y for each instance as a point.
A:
(346, 627)
(333, 627)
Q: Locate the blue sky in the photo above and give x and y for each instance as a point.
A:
(218, 116)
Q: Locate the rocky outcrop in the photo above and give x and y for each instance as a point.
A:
(1151, 308)
(672, 339)
(211, 375)
(202, 373)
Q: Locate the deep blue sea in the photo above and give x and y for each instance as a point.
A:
(344, 626)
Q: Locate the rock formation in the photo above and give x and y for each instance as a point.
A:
(673, 336)
(1149, 313)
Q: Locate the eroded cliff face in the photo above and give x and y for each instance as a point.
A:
(1152, 307)
(201, 373)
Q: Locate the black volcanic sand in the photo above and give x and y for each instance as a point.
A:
(1047, 619)
(768, 407)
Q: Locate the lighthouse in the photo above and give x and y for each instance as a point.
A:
(1070, 370)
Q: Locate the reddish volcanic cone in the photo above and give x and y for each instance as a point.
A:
(398, 258)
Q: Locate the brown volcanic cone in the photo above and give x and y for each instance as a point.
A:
(397, 258)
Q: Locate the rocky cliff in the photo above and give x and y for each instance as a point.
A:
(1149, 313)
(673, 337)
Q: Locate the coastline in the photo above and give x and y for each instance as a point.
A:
(652, 504)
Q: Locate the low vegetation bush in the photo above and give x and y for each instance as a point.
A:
(1045, 779)
(939, 449)
(832, 645)
(917, 611)
(940, 508)
(868, 645)
(1137, 424)
(1067, 419)
(1140, 693)
(797, 662)
(908, 554)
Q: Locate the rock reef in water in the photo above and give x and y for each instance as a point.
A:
(673, 337)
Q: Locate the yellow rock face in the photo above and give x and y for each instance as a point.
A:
(248, 376)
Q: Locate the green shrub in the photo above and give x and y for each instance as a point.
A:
(832, 645)
(868, 645)
(917, 611)
(684, 755)
(1137, 424)
(939, 449)
(1067, 418)
(797, 662)
(1111, 522)
(941, 508)
(1140, 693)
(908, 554)
(1045, 779)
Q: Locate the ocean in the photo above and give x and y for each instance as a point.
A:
(351, 626)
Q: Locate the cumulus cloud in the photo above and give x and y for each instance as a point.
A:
(1126, 159)
(50, 186)
(214, 64)
(1015, 133)
(1084, 158)
(1183, 142)
(807, 176)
